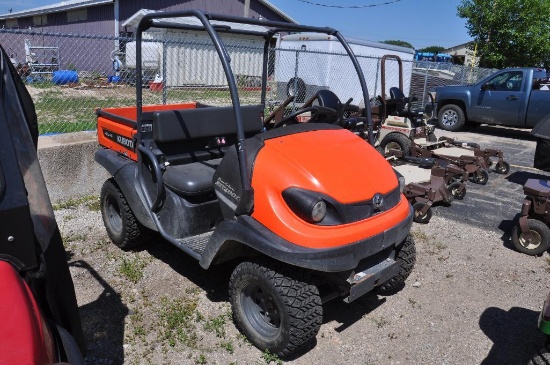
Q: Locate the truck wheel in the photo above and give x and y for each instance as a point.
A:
(122, 226)
(274, 306)
(542, 357)
(296, 87)
(454, 190)
(540, 242)
(451, 118)
(406, 257)
(396, 141)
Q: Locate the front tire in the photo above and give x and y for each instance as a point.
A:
(540, 242)
(406, 257)
(481, 177)
(418, 216)
(451, 118)
(454, 190)
(275, 306)
(121, 224)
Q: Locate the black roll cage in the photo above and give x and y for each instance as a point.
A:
(148, 21)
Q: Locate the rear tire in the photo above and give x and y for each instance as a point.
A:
(122, 226)
(396, 141)
(451, 118)
(406, 257)
(275, 306)
(540, 242)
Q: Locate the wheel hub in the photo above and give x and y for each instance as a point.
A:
(533, 243)
(450, 118)
(261, 310)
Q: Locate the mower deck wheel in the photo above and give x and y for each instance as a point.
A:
(122, 226)
(481, 177)
(503, 168)
(274, 305)
(454, 190)
(418, 216)
(540, 241)
(406, 257)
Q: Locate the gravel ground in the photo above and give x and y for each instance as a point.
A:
(471, 299)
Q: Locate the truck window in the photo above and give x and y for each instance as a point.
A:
(508, 81)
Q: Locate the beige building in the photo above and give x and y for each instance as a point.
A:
(462, 54)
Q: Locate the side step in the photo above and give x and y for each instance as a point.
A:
(196, 243)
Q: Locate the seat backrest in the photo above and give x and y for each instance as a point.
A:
(328, 99)
(190, 135)
(396, 93)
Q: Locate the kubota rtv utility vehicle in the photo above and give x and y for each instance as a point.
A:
(308, 212)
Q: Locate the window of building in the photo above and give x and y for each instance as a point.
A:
(12, 23)
(40, 19)
(77, 15)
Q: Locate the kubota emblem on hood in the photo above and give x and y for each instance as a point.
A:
(377, 200)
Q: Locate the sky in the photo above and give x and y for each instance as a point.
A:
(422, 23)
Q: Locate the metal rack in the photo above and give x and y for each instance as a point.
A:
(42, 60)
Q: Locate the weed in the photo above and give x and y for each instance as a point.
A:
(414, 303)
(132, 269)
(419, 236)
(217, 325)
(227, 346)
(548, 263)
(71, 203)
(201, 359)
(448, 276)
(269, 358)
(177, 321)
(380, 322)
(76, 237)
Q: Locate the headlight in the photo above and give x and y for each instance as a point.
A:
(319, 211)
(307, 205)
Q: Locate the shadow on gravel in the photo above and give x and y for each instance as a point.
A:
(514, 335)
(506, 226)
(521, 177)
(347, 314)
(103, 323)
(214, 281)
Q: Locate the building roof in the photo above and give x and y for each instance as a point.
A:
(76, 4)
(54, 8)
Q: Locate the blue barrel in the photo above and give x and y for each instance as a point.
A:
(63, 77)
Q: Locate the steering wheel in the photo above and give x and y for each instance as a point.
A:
(315, 112)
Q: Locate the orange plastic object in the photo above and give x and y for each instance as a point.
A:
(24, 335)
(343, 166)
(120, 137)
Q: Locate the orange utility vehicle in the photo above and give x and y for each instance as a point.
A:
(307, 213)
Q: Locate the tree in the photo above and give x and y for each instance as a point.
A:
(509, 33)
(432, 49)
(398, 43)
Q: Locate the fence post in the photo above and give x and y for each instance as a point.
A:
(164, 81)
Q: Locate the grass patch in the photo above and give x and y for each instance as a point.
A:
(178, 321)
(74, 238)
(91, 201)
(269, 358)
(217, 324)
(132, 269)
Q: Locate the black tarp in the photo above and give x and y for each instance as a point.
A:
(541, 131)
(50, 280)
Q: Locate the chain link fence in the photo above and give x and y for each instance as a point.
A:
(69, 75)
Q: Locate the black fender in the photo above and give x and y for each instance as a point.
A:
(124, 171)
(244, 236)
